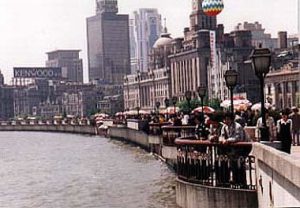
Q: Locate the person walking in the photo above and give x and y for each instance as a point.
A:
(284, 131)
(295, 117)
(270, 126)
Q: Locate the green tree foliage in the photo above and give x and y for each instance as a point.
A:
(194, 103)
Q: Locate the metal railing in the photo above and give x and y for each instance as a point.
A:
(215, 164)
(156, 128)
(170, 133)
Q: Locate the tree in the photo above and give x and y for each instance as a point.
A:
(185, 107)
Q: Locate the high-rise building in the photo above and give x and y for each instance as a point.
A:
(70, 63)
(108, 44)
(147, 29)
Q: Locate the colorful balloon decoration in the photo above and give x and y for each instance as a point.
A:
(212, 7)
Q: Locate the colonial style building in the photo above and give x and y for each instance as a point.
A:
(190, 55)
(282, 87)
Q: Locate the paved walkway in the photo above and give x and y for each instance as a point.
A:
(296, 151)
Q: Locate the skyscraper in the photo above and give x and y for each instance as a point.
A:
(70, 63)
(147, 29)
(108, 44)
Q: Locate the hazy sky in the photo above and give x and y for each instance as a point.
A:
(30, 28)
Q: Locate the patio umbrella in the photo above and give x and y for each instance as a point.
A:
(170, 110)
(239, 103)
(257, 106)
(119, 114)
(135, 112)
(206, 109)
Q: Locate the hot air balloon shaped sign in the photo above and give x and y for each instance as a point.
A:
(212, 7)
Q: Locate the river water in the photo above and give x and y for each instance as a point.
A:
(53, 170)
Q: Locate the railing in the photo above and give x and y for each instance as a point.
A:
(214, 164)
(170, 133)
(156, 128)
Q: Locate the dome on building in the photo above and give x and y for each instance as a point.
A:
(165, 39)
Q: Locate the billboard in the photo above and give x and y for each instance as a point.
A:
(213, 49)
(38, 72)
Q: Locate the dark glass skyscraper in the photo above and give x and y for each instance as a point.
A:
(108, 44)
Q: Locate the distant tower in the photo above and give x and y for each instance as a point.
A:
(199, 20)
(106, 6)
(282, 39)
(148, 28)
(108, 44)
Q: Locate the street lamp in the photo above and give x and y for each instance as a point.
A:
(139, 93)
(127, 83)
(157, 104)
(231, 81)
(174, 101)
(202, 93)
(167, 103)
(188, 96)
(261, 62)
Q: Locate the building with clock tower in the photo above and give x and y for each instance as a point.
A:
(191, 54)
(108, 44)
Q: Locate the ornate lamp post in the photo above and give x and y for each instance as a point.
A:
(167, 103)
(139, 93)
(202, 93)
(261, 62)
(174, 101)
(127, 84)
(231, 81)
(188, 96)
(157, 104)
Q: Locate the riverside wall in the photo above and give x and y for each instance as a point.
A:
(278, 177)
(78, 129)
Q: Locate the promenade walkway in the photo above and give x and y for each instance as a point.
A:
(296, 151)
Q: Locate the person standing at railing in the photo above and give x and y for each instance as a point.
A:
(215, 127)
(284, 131)
(270, 126)
(204, 166)
(295, 117)
(230, 157)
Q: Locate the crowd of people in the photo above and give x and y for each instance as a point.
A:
(227, 127)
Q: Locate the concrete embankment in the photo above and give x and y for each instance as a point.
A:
(77, 129)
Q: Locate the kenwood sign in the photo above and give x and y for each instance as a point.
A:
(40, 72)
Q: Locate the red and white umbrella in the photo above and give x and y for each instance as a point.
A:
(119, 114)
(257, 106)
(206, 109)
(237, 100)
(170, 110)
(136, 112)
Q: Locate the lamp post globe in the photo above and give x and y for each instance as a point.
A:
(188, 96)
(231, 81)
(174, 101)
(261, 62)
(167, 102)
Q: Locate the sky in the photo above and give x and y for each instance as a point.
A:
(30, 28)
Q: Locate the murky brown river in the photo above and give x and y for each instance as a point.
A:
(52, 170)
